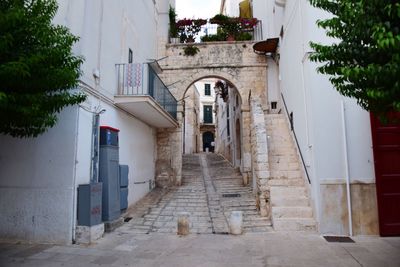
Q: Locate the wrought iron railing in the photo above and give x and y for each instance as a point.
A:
(290, 117)
(137, 79)
(256, 31)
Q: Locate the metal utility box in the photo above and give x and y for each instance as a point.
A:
(89, 204)
(108, 136)
(109, 173)
(124, 182)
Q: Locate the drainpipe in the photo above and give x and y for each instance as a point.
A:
(346, 165)
(74, 188)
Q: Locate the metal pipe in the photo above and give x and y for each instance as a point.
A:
(346, 165)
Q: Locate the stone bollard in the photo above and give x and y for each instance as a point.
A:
(183, 223)
(236, 222)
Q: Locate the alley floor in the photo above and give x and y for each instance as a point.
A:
(211, 189)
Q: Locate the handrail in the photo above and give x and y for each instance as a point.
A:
(290, 117)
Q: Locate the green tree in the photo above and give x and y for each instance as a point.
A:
(37, 67)
(364, 59)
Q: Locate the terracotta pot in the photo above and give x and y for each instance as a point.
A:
(230, 38)
(190, 40)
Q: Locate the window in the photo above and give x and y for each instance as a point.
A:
(207, 112)
(207, 89)
(130, 56)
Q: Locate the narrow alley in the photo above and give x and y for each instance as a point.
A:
(211, 189)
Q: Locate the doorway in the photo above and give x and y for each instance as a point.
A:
(386, 147)
(208, 138)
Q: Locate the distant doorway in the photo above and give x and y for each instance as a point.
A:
(208, 138)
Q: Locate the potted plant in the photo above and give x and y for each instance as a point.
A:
(221, 89)
(190, 50)
(173, 28)
(189, 28)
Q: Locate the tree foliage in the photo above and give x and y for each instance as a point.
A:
(37, 67)
(364, 60)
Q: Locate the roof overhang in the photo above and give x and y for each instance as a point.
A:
(146, 109)
(268, 46)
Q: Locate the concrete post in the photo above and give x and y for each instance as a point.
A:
(183, 223)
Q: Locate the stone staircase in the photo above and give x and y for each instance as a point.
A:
(233, 195)
(291, 210)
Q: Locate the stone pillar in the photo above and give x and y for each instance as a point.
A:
(246, 145)
(177, 148)
(259, 151)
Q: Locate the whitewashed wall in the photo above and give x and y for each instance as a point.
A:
(39, 177)
(37, 183)
(205, 99)
(317, 111)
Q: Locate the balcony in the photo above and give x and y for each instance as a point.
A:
(142, 94)
(218, 29)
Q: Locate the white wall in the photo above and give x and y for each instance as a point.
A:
(110, 28)
(39, 177)
(204, 99)
(316, 106)
(36, 183)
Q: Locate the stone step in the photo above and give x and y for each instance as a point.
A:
(289, 202)
(288, 191)
(285, 174)
(292, 212)
(294, 224)
(286, 182)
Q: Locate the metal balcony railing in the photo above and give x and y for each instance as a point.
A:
(138, 79)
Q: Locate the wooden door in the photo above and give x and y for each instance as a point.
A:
(386, 146)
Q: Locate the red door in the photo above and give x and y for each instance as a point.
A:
(386, 146)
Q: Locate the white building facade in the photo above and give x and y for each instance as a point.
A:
(39, 176)
(333, 132)
(205, 88)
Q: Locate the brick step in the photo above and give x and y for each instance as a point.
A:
(292, 212)
(294, 224)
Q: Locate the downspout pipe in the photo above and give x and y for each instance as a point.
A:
(346, 168)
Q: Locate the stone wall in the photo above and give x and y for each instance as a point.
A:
(334, 217)
(234, 62)
(259, 156)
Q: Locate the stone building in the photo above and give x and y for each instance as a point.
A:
(228, 120)
(205, 87)
(296, 141)
(191, 126)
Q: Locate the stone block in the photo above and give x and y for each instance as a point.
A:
(88, 234)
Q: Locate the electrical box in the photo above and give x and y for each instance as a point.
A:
(109, 173)
(89, 204)
(123, 182)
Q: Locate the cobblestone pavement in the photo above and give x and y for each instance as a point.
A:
(141, 241)
(211, 189)
(272, 249)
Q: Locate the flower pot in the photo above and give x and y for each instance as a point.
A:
(173, 40)
(230, 38)
(190, 40)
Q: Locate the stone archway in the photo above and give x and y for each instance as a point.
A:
(231, 61)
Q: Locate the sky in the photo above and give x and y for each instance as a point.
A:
(197, 8)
